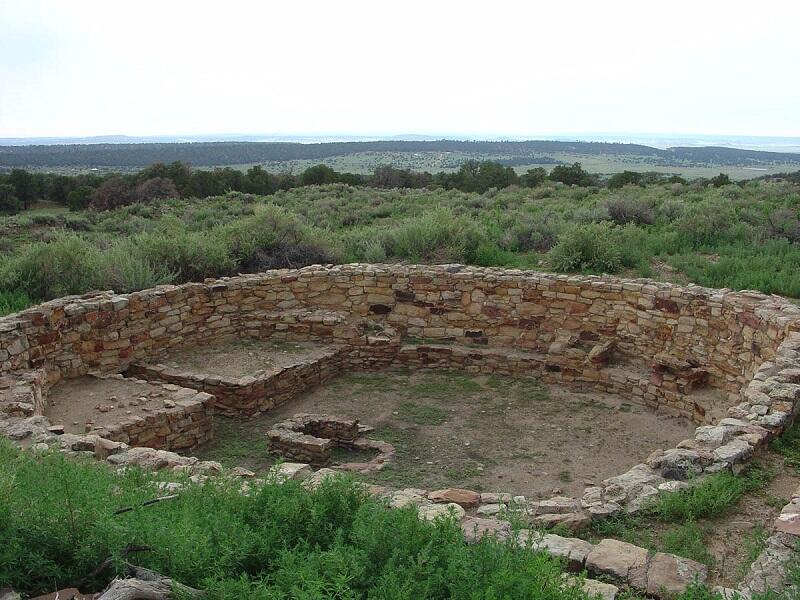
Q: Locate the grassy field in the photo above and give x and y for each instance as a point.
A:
(365, 163)
(737, 236)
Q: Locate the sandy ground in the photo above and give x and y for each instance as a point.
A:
(485, 433)
(75, 402)
(241, 357)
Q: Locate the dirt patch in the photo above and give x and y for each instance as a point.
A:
(734, 540)
(483, 432)
(242, 357)
(74, 403)
(727, 542)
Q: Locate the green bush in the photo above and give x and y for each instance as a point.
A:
(9, 203)
(590, 247)
(80, 198)
(189, 255)
(66, 265)
(437, 236)
(707, 223)
(13, 301)
(123, 269)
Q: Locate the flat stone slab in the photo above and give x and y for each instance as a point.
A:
(622, 561)
(669, 575)
(595, 588)
(464, 498)
(431, 512)
(474, 528)
(573, 550)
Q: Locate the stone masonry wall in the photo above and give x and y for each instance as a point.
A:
(552, 321)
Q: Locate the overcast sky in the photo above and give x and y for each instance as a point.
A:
(85, 67)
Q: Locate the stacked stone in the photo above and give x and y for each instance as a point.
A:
(728, 333)
(311, 438)
(185, 422)
(250, 395)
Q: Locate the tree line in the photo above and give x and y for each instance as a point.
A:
(19, 188)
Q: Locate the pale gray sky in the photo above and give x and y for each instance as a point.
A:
(90, 67)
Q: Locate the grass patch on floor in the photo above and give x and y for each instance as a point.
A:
(244, 446)
(445, 385)
(421, 414)
(711, 497)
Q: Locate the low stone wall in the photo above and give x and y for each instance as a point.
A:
(248, 396)
(187, 422)
(728, 334)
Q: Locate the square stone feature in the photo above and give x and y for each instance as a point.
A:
(247, 376)
(137, 412)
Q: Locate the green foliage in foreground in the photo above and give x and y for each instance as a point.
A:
(57, 525)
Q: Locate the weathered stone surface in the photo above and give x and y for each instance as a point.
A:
(735, 451)
(573, 521)
(594, 588)
(573, 550)
(731, 594)
(431, 512)
(768, 571)
(407, 497)
(6, 593)
(668, 575)
(556, 505)
(314, 480)
(624, 562)
(475, 528)
(464, 498)
(489, 509)
(788, 522)
(290, 470)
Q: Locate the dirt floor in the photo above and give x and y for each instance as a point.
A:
(240, 357)
(485, 433)
(103, 402)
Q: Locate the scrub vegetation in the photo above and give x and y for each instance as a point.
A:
(710, 232)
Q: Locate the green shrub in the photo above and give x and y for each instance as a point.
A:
(80, 198)
(190, 256)
(591, 247)
(44, 270)
(123, 269)
(13, 301)
(9, 203)
(710, 497)
(707, 223)
(437, 235)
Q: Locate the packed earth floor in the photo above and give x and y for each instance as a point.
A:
(86, 402)
(240, 357)
(478, 432)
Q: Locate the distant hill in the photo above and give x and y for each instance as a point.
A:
(204, 154)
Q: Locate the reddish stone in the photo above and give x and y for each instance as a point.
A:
(464, 498)
(788, 523)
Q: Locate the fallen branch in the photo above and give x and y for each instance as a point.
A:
(144, 584)
(145, 503)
